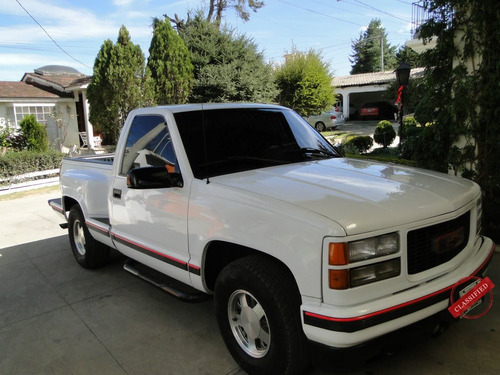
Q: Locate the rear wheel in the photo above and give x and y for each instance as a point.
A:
(88, 252)
(320, 126)
(258, 310)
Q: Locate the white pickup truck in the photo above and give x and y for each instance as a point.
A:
(297, 244)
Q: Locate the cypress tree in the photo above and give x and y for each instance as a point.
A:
(119, 84)
(169, 64)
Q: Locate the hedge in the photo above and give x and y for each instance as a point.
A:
(361, 142)
(16, 163)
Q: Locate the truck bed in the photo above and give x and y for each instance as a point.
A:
(100, 159)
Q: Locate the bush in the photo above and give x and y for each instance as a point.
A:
(408, 123)
(35, 134)
(384, 133)
(4, 134)
(16, 163)
(357, 144)
(410, 146)
(17, 142)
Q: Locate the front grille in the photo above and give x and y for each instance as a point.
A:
(431, 246)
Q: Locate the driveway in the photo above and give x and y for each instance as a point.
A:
(58, 318)
(364, 128)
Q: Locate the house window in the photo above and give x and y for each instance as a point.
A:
(42, 112)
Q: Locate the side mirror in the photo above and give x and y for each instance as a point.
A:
(153, 178)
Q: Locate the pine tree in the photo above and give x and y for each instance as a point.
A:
(407, 55)
(227, 66)
(367, 50)
(304, 82)
(169, 64)
(117, 85)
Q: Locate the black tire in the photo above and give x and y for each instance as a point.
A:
(265, 335)
(320, 126)
(88, 252)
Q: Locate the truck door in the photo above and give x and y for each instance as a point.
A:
(150, 225)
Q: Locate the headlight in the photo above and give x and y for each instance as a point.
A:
(373, 247)
(375, 272)
(346, 253)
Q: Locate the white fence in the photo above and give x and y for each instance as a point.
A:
(29, 181)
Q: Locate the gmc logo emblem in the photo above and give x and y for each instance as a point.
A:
(449, 241)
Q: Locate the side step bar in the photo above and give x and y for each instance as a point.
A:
(168, 284)
(56, 205)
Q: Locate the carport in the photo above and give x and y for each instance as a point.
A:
(358, 89)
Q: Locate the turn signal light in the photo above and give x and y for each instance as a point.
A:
(337, 254)
(339, 279)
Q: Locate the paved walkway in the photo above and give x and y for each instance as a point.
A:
(58, 318)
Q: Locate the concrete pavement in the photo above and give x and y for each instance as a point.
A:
(58, 318)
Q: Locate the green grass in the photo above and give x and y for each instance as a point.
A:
(21, 194)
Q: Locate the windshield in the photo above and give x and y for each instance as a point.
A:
(235, 140)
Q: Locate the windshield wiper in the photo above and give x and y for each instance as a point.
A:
(314, 152)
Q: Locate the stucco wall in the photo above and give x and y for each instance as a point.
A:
(62, 127)
(7, 115)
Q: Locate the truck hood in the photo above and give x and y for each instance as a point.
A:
(361, 196)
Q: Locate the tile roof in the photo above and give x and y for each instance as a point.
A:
(377, 78)
(62, 80)
(42, 85)
(10, 89)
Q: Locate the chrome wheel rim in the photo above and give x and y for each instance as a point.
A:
(320, 127)
(79, 237)
(249, 323)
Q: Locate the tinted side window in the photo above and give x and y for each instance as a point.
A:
(148, 144)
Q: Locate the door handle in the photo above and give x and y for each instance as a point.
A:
(117, 193)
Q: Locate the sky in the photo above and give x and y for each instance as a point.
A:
(75, 30)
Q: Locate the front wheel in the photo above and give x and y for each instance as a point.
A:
(88, 252)
(258, 310)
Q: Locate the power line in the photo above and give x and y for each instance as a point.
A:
(380, 10)
(321, 14)
(58, 46)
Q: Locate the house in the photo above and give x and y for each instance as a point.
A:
(56, 95)
(357, 89)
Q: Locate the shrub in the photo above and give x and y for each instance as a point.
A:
(35, 134)
(357, 144)
(384, 133)
(16, 163)
(410, 146)
(17, 142)
(4, 134)
(408, 123)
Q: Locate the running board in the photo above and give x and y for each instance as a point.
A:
(168, 284)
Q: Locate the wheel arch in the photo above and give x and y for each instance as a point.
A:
(69, 202)
(218, 254)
